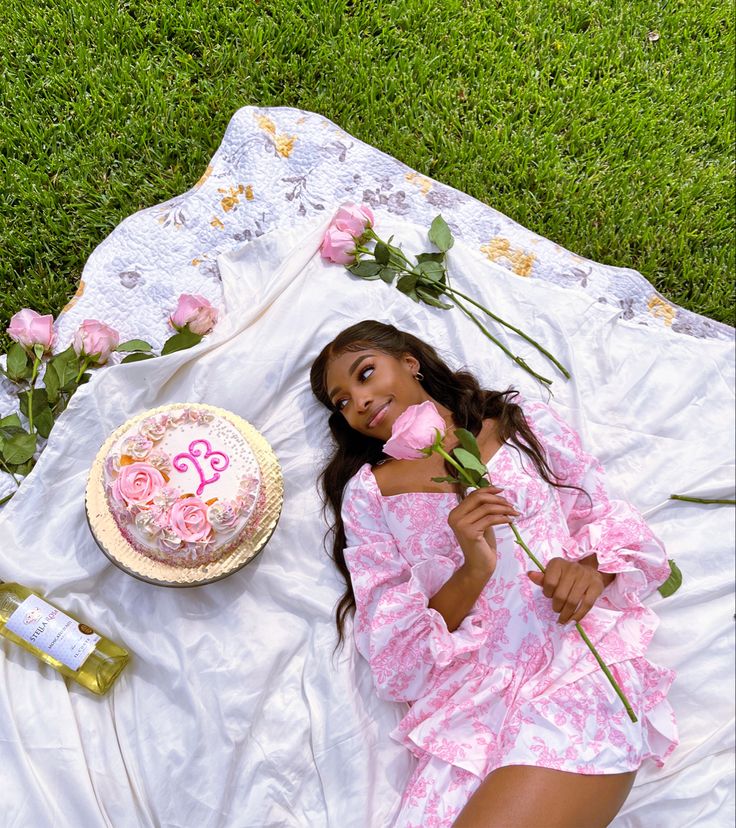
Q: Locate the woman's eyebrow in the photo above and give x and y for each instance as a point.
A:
(353, 365)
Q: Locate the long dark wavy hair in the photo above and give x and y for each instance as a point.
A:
(459, 391)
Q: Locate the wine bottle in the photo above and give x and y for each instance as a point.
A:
(69, 646)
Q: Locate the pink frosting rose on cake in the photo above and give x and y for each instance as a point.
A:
(137, 484)
(188, 519)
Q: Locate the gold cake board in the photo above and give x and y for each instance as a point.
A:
(257, 533)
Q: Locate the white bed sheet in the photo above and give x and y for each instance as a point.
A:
(233, 711)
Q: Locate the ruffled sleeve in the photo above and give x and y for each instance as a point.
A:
(610, 528)
(406, 643)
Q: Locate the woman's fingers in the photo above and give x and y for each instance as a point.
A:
(568, 605)
(483, 502)
(589, 598)
(475, 522)
(573, 588)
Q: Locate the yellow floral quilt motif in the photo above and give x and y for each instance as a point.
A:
(232, 197)
(662, 310)
(522, 262)
(283, 144)
(424, 184)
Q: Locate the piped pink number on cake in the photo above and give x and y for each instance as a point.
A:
(217, 459)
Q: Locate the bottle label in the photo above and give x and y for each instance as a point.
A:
(50, 630)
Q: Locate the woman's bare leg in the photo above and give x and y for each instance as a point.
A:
(528, 797)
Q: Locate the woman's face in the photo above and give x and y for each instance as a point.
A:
(371, 389)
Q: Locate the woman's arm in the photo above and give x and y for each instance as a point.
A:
(472, 522)
(458, 596)
(406, 641)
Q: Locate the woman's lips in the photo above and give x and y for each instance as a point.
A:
(377, 418)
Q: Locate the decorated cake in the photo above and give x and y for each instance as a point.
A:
(182, 485)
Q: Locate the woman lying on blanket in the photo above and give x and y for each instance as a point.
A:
(511, 719)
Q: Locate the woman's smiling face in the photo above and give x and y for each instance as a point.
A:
(371, 389)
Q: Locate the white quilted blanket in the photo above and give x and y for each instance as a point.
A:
(233, 711)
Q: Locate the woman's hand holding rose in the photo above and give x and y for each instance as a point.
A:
(473, 520)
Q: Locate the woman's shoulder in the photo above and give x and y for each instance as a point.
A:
(541, 416)
(362, 483)
(362, 506)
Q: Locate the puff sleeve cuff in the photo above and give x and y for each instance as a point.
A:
(611, 529)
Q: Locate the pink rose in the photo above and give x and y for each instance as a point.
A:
(29, 328)
(188, 518)
(414, 431)
(137, 484)
(95, 340)
(338, 246)
(353, 219)
(196, 312)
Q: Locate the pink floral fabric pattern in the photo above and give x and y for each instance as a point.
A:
(510, 685)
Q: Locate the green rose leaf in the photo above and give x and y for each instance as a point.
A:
(51, 381)
(440, 234)
(472, 477)
(40, 400)
(11, 421)
(396, 259)
(43, 422)
(19, 448)
(446, 480)
(468, 442)
(59, 406)
(366, 269)
(469, 461)
(674, 582)
(430, 257)
(18, 366)
(427, 297)
(382, 253)
(136, 357)
(22, 468)
(406, 284)
(180, 342)
(134, 345)
(66, 365)
(388, 275)
(434, 271)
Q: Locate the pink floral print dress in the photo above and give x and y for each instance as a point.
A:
(510, 686)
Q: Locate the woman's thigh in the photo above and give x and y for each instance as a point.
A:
(529, 797)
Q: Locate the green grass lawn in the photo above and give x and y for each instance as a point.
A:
(563, 115)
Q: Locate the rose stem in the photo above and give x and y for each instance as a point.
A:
(585, 638)
(518, 360)
(702, 500)
(521, 333)
(583, 635)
